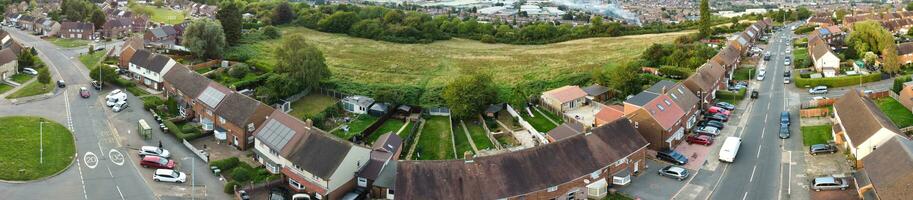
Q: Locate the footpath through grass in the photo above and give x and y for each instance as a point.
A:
(31, 89)
(816, 134)
(68, 43)
(20, 157)
(900, 115)
(435, 142)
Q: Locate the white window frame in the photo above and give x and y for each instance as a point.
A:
(295, 184)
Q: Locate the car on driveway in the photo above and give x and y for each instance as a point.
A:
(154, 151)
(672, 156)
(784, 131)
(712, 123)
(675, 172)
(700, 139)
(29, 71)
(829, 183)
(718, 110)
(167, 175)
(707, 130)
(818, 90)
(84, 92)
(717, 117)
(816, 149)
(156, 162)
(784, 118)
(725, 105)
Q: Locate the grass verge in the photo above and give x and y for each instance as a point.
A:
(20, 157)
(4, 88)
(816, 134)
(31, 89)
(68, 43)
(92, 59)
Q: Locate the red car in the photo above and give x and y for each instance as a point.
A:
(84, 93)
(700, 139)
(715, 110)
(157, 162)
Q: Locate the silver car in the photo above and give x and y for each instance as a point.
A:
(674, 172)
(829, 183)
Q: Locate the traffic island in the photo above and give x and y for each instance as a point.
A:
(33, 148)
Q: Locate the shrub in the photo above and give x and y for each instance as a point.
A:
(239, 70)
(242, 174)
(123, 83)
(898, 83)
(271, 32)
(840, 81)
(488, 39)
(226, 164)
(187, 128)
(674, 72)
(137, 91)
(230, 187)
(150, 102)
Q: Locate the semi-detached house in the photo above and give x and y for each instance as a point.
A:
(657, 119)
(184, 85)
(148, 68)
(861, 126)
(681, 96)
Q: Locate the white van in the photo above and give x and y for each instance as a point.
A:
(730, 149)
(113, 99)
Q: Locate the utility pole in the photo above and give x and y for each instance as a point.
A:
(41, 141)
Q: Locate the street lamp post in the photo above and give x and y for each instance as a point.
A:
(41, 141)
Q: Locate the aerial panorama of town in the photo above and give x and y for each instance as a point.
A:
(456, 99)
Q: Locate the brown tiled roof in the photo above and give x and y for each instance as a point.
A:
(727, 56)
(610, 113)
(818, 48)
(241, 110)
(890, 169)
(705, 78)
(521, 172)
(905, 48)
(188, 82)
(824, 20)
(7, 55)
(565, 130)
(861, 117)
(566, 93)
(668, 115)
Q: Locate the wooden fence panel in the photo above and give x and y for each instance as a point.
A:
(814, 112)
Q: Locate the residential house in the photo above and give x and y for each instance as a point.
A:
(728, 57)
(139, 23)
(8, 63)
(311, 160)
(705, 81)
(130, 47)
(905, 53)
(889, 170)
(117, 28)
(741, 44)
(905, 96)
(203, 10)
(11, 18)
(657, 119)
(860, 125)
(26, 22)
(564, 98)
(148, 68)
(384, 152)
(184, 86)
(564, 131)
(608, 114)
(238, 117)
(163, 35)
(681, 96)
(77, 30)
(357, 104)
(211, 97)
(820, 21)
(597, 93)
(824, 60)
(48, 27)
(578, 167)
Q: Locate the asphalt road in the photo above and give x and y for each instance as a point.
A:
(106, 165)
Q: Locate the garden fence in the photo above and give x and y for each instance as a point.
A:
(818, 103)
(526, 125)
(814, 112)
(880, 94)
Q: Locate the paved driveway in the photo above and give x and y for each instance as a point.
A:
(650, 185)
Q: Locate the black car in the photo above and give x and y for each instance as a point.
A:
(725, 105)
(712, 123)
(815, 149)
(784, 131)
(672, 156)
(717, 117)
(754, 94)
(61, 84)
(787, 74)
(96, 85)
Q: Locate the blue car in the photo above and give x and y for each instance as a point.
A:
(672, 156)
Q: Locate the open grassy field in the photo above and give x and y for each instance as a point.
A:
(427, 65)
(435, 142)
(311, 105)
(31, 89)
(92, 59)
(816, 134)
(19, 150)
(164, 15)
(896, 111)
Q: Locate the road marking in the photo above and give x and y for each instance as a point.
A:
(745, 196)
(121, 193)
(109, 171)
(91, 160)
(789, 187)
(759, 149)
(66, 103)
(114, 132)
(751, 179)
(116, 157)
(683, 187)
(81, 179)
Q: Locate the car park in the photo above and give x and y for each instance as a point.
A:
(784, 118)
(725, 105)
(115, 97)
(675, 172)
(153, 151)
(156, 162)
(84, 92)
(700, 139)
(707, 130)
(167, 175)
(713, 123)
(784, 131)
(672, 156)
(829, 183)
(816, 149)
(818, 90)
(61, 84)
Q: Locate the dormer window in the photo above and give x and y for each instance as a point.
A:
(661, 108)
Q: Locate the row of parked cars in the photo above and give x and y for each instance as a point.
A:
(704, 133)
(157, 158)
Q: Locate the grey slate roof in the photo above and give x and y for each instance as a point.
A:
(239, 109)
(890, 168)
(387, 177)
(158, 32)
(320, 154)
(659, 86)
(141, 57)
(595, 90)
(642, 98)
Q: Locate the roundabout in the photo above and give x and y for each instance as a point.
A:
(33, 148)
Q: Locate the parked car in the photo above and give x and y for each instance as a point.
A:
(784, 131)
(787, 74)
(61, 84)
(29, 71)
(672, 156)
(816, 98)
(156, 162)
(167, 175)
(788, 50)
(818, 90)
(725, 105)
(760, 75)
(700, 139)
(786, 62)
(153, 151)
(829, 183)
(712, 123)
(717, 117)
(707, 130)
(96, 85)
(675, 172)
(784, 118)
(815, 149)
(119, 106)
(84, 92)
(754, 94)
(718, 110)
(786, 80)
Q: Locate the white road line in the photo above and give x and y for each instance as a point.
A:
(81, 179)
(759, 149)
(789, 187)
(751, 179)
(66, 103)
(121, 193)
(745, 196)
(109, 171)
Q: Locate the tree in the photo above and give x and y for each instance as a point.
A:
(891, 63)
(704, 30)
(282, 13)
(625, 78)
(44, 77)
(469, 95)
(205, 38)
(839, 14)
(98, 18)
(338, 22)
(869, 36)
(371, 28)
(229, 16)
(870, 58)
(276, 86)
(26, 59)
(103, 74)
(303, 63)
(271, 32)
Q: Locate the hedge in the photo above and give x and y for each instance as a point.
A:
(150, 102)
(230, 187)
(226, 164)
(840, 81)
(179, 131)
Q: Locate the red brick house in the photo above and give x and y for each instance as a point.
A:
(184, 85)
(77, 30)
(657, 119)
(128, 49)
(681, 96)
(238, 116)
(705, 82)
(117, 28)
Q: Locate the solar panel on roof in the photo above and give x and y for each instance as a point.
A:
(276, 135)
(212, 97)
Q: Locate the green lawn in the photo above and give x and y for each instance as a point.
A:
(900, 115)
(816, 134)
(744, 73)
(310, 105)
(20, 157)
(357, 125)
(90, 60)
(164, 15)
(21, 78)
(4, 88)
(435, 142)
(391, 125)
(68, 43)
(203, 70)
(31, 89)
(538, 121)
(478, 135)
(461, 142)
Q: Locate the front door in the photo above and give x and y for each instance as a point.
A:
(236, 140)
(636, 166)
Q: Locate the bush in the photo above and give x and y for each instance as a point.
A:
(271, 32)
(840, 81)
(804, 29)
(137, 91)
(150, 102)
(239, 70)
(242, 174)
(898, 83)
(488, 39)
(674, 72)
(230, 187)
(171, 127)
(187, 128)
(226, 164)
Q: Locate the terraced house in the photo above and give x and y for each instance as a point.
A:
(184, 86)
(657, 118)
(148, 68)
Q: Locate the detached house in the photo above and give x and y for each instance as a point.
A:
(47, 27)
(824, 59)
(77, 30)
(149, 68)
(705, 82)
(564, 98)
(8, 63)
(310, 160)
(889, 170)
(860, 126)
(579, 167)
(657, 119)
(26, 22)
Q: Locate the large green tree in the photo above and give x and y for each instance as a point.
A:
(704, 29)
(468, 95)
(282, 13)
(303, 63)
(205, 38)
(98, 18)
(891, 63)
(624, 78)
(103, 74)
(870, 36)
(44, 76)
(339, 22)
(229, 16)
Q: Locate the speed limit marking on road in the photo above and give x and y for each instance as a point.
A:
(116, 157)
(91, 160)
